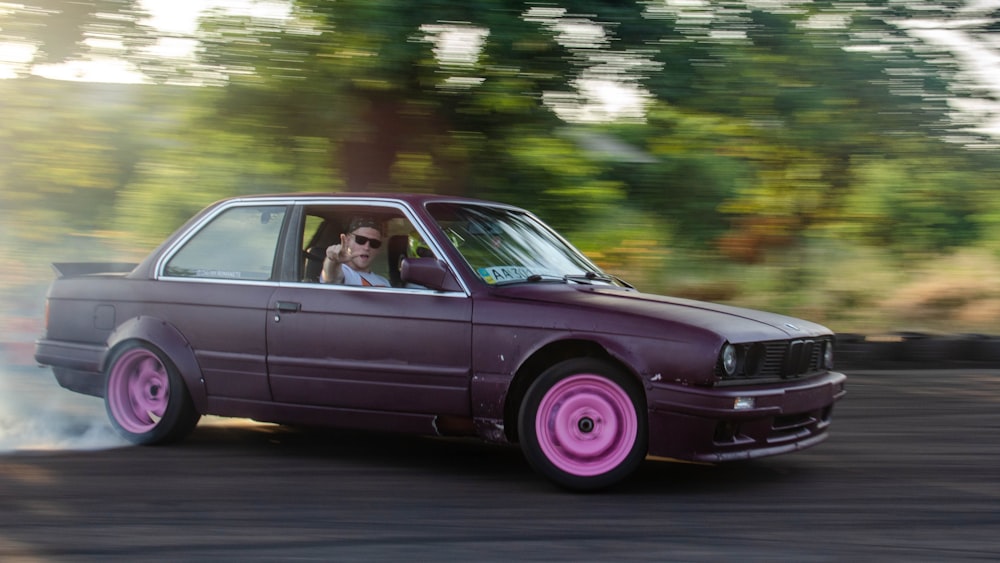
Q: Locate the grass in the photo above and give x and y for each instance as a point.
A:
(849, 289)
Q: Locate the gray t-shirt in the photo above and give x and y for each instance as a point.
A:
(352, 277)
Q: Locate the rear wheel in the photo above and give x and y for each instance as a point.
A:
(583, 424)
(145, 396)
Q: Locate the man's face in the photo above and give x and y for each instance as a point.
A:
(363, 254)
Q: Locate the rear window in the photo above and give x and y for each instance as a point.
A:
(238, 244)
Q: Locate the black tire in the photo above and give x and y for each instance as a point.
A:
(146, 398)
(583, 424)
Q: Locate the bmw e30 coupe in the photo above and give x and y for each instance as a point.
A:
(491, 325)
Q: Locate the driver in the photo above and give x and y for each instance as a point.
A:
(349, 262)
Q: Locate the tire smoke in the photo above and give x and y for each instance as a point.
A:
(37, 414)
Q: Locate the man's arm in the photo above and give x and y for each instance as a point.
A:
(336, 255)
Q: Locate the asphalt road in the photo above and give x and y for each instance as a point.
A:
(911, 473)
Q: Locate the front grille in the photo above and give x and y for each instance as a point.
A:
(778, 359)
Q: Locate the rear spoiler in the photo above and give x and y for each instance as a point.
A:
(72, 269)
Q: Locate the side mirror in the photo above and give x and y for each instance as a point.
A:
(428, 272)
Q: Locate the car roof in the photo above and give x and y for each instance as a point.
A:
(414, 199)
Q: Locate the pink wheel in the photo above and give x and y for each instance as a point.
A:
(583, 424)
(138, 390)
(145, 398)
(586, 425)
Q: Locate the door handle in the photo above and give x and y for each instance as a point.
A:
(289, 307)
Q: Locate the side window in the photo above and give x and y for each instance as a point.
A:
(321, 229)
(403, 241)
(324, 224)
(311, 233)
(239, 244)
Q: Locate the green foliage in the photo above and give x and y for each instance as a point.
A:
(925, 206)
(135, 159)
(768, 137)
(61, 164)
(173, 184)
(987, 219)
(698, 161)
(633, 244)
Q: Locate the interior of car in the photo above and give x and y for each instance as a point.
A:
(324, 225)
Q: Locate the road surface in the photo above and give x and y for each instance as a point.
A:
(910, 473)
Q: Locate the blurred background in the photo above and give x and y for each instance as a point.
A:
(837, 161)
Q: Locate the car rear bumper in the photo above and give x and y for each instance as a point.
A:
(77, 367)
(719, 424)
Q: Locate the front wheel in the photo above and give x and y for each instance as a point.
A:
(583, 424)
(145, 397)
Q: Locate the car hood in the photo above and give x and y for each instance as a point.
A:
(735, 324)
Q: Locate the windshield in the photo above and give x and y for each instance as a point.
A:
(509, 246)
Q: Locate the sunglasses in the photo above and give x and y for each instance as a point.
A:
(374, 242)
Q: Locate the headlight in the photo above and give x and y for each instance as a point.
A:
(729, 359)
(828, 355)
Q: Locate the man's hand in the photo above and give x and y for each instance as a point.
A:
(339, 253)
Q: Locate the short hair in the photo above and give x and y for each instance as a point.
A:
(363, 222)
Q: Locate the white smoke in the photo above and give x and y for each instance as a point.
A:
(37, 414)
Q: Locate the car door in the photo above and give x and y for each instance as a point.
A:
(400, 350)
(381, 349)
(214, 287)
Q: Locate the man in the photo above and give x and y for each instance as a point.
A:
(349, 262)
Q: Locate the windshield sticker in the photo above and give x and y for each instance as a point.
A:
(495, 274)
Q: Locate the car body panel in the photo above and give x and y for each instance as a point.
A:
(458, 360)
(352, 348)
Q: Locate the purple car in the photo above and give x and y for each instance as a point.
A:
(491, 325)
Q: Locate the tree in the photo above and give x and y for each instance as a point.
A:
(755, 119)
(60, 164)
(796, 100)
(365, 76)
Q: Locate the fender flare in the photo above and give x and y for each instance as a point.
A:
(171, 342)
(491, 415)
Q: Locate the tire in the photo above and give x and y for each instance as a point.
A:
(145, 396)
(583, 424)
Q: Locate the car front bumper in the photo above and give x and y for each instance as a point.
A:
(733, 423)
